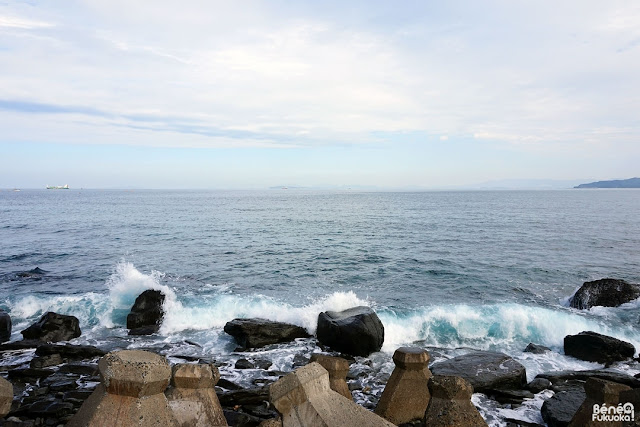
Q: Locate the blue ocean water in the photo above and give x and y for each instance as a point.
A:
(446, 270)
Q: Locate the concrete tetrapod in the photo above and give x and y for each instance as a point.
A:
(192, 397)
(6, 397)
(131, 392)
(406, 395)
(604, 394)
(450, 404)
(338, 369)
(304, 399)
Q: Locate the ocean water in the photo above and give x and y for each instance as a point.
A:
(449, 271)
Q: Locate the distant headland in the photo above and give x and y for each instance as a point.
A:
(617, 183)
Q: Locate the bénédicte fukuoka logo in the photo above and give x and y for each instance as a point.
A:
(621, 412)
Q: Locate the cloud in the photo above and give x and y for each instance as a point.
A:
(302, 75)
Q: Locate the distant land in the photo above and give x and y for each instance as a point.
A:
(616, 183)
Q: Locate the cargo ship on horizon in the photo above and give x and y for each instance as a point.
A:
(58, 187)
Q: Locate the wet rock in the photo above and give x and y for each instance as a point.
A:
(406, 394)
(26, 373)
(5, 326)
(69, 351)
(49, 408)
(248, 396)
(254, 364)
(240, 419)
(594, 347)
(6, 397)
(536, 349)
(450, 403)
(598, 392)
(558, 410)
(514, 397)
(485, 370)
(146, 314)
(538, 384)
(604, 292)
(356, 331)
(79, 368)
(254, 333)
(45, 361)
(53, 327)
(229, 385)
(605, 374)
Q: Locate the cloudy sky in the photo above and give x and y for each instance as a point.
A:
(206, 94)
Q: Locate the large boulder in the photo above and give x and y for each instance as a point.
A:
(5, 326)
(485, 370)
(254, 333)
(356, 331)
(53, 327)
(146, 314)
(594, 347)
(558, 410)
(558, 377)
(604, 292)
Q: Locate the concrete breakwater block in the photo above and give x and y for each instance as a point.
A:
(338, 369)
(406, 395)
(450, 403)
(304, 399)
(605, 395)
(131, 392)
(6, 397)
(192, 396)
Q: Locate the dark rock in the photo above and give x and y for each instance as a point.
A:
(262, 363)
(46, 408)
(604, 292)
(46, 361)
(69, 351)
(229, 385)
(536, 349)
(357, 331)
(30, 373)
(539, 384)
(253, 333)
(300, 359)
(240, 419)
(249, 396)
(485, 370)
(558, 410)
(77, 395)
(244, 364)
(89, 369)
(509, 396)
(20, 345)
(594, 347)
(147, 313)
(53, 327)
(260, 411)
(605, 374)
(514, 422)
(5, 326)
(36, 273)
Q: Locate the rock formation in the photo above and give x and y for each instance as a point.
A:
(254, 333)
(53, 327)
(594, 347)
(146, 314)
(357, 331)
(604, 292)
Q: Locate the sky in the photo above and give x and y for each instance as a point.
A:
(244, 94)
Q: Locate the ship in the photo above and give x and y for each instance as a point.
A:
(58, 187)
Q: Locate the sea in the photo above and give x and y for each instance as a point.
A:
(449, 271)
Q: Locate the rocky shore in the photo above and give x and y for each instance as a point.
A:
(51, 381)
